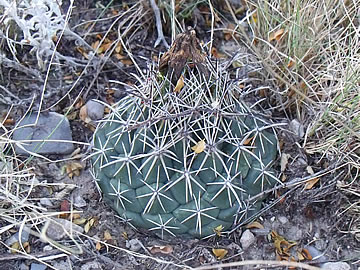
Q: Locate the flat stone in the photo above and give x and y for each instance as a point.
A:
(247, 239)
(335, 266)
(50, 126)
(60, 228)
(37, 266)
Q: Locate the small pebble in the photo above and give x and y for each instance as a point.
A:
(79, 201)
(316, 254)
(283, 220)
(46, 202)
(133, 245)
(296, 127)
(37, 266)
(247, 239)
(91, 266)
(95, 110)
(335, 266)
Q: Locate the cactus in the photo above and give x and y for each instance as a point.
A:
(187, 162)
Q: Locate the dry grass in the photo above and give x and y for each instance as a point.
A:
(311, 52)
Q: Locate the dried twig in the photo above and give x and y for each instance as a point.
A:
(158, 25)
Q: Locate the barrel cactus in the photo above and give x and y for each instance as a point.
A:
(184, 160)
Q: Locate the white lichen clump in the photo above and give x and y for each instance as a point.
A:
(34, 23)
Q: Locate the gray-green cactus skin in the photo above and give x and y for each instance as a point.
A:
(144, 161)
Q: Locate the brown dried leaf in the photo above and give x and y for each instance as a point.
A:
(84, 115)
(88, 226)
(276, 35)
(98, 246)
(248, 141)
(79, 221)
(311, 183)
(179, 84)
(255, 224)
(291, 64)
(220, 253)
(27, 247)
(73, 168)
(107, 235)
(161, 249)
(306, 254)
(199, 147)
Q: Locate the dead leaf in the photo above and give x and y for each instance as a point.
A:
(179, 84)
(79, 221)
(89, 225)
(220, 253)
(255, 224)
(284, 161)
(124, 59)
(248, 141)
(98, 246)
(15, 246)
(199, 147)
(161, 249)
(282, 246)
(26, 246)
(125, 235)
(276, 35)
(73, 168)
(291, 64)
(310, 183)
(118, 48)
(218, 230)
(83, 52)
(83, 115)
(306, 254)
(107, 235)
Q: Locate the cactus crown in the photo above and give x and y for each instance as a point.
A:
(184, 162)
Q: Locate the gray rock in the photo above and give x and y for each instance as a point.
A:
(283, 220)
(59, 228)
(46, 202)
(79, 201)
(91, 266)
(95, 110)
(335, 266)
(316, 254)
(50, 126)
(62, 265)
(133, 245)
(15, 238)
(247, 239)
(37, 266)
(296, 127)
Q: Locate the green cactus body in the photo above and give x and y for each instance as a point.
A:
(144, 163)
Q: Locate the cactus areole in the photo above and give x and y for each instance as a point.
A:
(192, 162)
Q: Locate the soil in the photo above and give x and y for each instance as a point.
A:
(310, 217)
